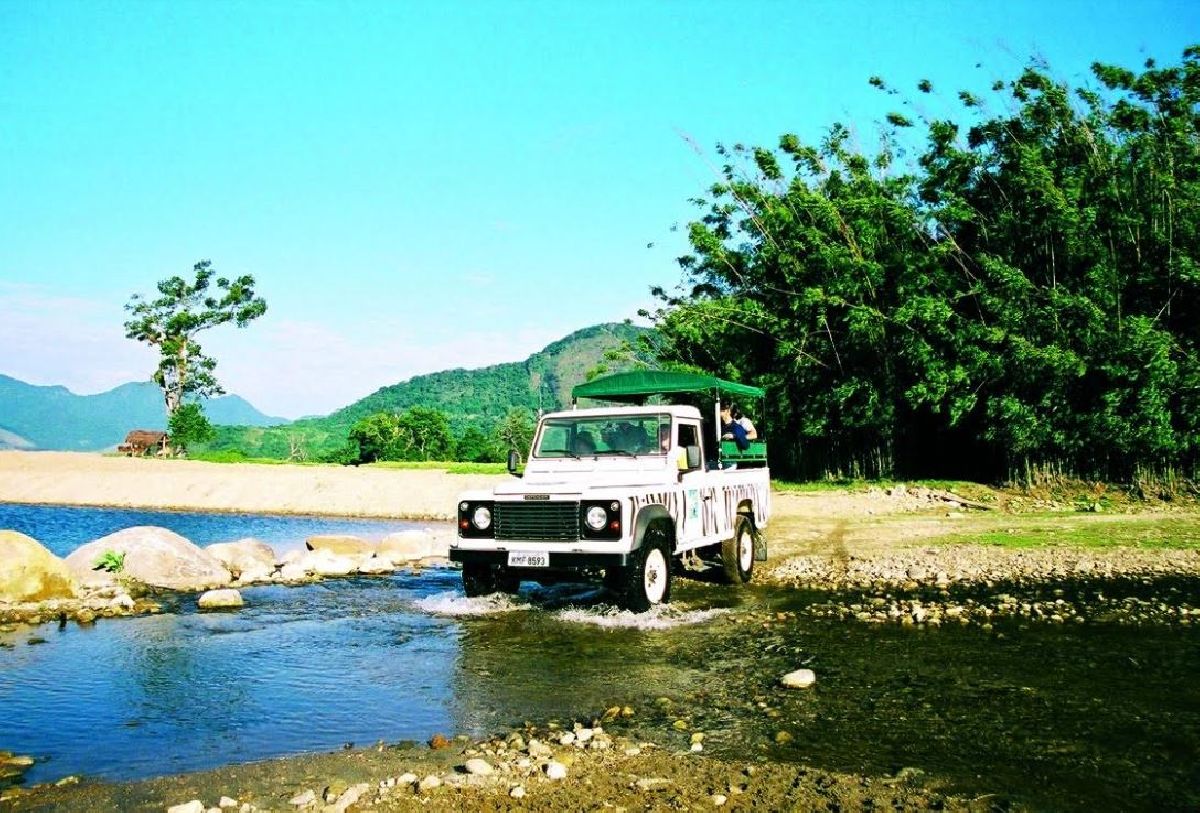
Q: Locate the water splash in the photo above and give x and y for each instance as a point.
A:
(661, 617)
(456, 604)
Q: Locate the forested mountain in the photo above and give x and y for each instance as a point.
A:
(55, 418)
(479, 398)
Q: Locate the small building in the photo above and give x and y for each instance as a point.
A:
(144, 441)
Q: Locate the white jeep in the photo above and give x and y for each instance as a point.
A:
(627, 491)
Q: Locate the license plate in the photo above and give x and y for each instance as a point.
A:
(521, 558)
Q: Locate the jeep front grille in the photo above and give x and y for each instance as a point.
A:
(537, 520)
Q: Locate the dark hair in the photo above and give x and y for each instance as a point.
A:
(735, 412)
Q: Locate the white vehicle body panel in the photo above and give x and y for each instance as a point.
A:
(701, 505)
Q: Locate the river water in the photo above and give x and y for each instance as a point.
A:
(1049, 717)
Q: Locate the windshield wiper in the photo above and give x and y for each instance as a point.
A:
(562, 452)
(625, 452)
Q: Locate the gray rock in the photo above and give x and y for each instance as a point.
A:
(247, 559)
(555, 770)
(304, 799)
(153, 556)
(30, 572)
(430, 782)
(518, 792)
(325, 563)
(194, 806)
(350, 797)
(340, 545)
(220, 600)
(479, 767)
(406, 546)
(375, 566)
(799, 679)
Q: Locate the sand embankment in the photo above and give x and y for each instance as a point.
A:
(71, 478)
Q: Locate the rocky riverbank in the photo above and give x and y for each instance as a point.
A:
(123, 573)
(600, 764)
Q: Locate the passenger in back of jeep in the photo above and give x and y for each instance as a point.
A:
(732, 430)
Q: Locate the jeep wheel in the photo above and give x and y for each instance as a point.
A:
(737, 552)
(478, 579)
(646, 581)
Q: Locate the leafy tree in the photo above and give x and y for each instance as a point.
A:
(419, 433)
(171, 322)
(515, 432)
(377, 437)
(475, 447)
(424, 434)
(1022, 298)
(189, 425)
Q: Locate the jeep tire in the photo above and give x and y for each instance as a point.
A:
(737, 552)
(646, 580)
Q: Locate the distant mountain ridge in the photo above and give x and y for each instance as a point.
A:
(478, 398)
(53, 417)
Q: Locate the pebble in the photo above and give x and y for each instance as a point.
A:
(518, 792)
(479, 767)
(556, 770)
(799, 679)
(303, 799)
(719, 799)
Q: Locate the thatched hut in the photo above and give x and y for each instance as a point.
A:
(144, 441)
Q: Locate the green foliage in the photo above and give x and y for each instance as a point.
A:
(419, 433)
(188, 425)
(110, 561)
(515, 432)
(1024, 298)
(171, 322)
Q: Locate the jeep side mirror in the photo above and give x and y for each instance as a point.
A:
(514, 460)
(693, 457)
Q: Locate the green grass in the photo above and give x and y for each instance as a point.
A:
(1178, 533)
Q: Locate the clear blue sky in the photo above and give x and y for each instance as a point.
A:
(418, 186)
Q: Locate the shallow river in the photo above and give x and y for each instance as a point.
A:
(1054, 717)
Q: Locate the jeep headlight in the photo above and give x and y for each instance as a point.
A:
(482, 518)
(596, 517)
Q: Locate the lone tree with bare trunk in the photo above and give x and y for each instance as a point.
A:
(170, 324)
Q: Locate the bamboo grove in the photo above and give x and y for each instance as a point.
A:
(1010, 296)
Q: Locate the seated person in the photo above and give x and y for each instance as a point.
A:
(731, 430)
(746, 423)
(585, 444)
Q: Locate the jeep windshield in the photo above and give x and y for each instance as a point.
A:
(604, 436)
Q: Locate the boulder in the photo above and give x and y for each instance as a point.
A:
(153, 556)
(406, 546)
(340, 545)
(220, 600)
(325, 563)
(376, 566)
(247, 559)
(29, 572)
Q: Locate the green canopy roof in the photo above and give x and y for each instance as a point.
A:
(640, 384)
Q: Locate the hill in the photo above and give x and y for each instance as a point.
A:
(477, 398)
(53, 417)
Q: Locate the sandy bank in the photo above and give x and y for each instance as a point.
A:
(70, 478)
